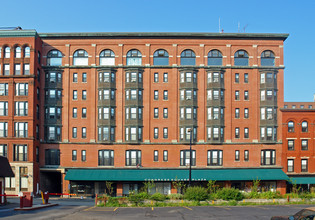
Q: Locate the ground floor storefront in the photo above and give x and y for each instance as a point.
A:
(123, 181)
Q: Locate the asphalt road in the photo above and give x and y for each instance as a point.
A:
(84, 209)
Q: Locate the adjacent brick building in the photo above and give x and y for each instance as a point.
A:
(124, 107)
(298, 154)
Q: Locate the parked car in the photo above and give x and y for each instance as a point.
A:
(304, 214)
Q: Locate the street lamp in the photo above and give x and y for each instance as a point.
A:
(190, 130)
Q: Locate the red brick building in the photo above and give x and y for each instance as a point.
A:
(298, 154)
(124, 107)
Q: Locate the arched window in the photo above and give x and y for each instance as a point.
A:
(134, 58)
(54, 58)
(304, 126)
(290, 126)
(80, 57)
(17, 52)
(7, 52)
(267, 58)
(27, 52)
(107, 57)
(241, 58)
(214, 58)
(187, 58)
(160, 57)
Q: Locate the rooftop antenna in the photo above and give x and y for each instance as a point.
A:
(245, 27)
(238, 27)
(219, 25)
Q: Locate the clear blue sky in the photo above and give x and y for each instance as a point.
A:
(265, 16)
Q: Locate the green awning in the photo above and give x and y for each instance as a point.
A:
(302, 180)
(174, 174)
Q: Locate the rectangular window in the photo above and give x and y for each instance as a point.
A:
(268, 157)
(21, 89)
(84, 132)
(10, 181)
(237, 113)
(262, 78)
(133, 157)
(156, 156)
(165, 94)
(3, 108)
(237, 132)
(188, 113)
(156, 95)
(246, 95)
(75, 77)
(237, 78)
(188, 77)
(4, 89)
(23, 178)
(17, 69)
(3, 150)
(74, 132)
(3, 129)
(245, 77)
(304, 165)
(156, 77)
(262, 95)
(74, 113)
(84, 77)
(246, 113)
(165, 155)
(165, 77)
(165, 112)
(156, 133)
(75, 95)
(84, 94)
(20, 152)
(290, 165)
(237, 155)
(237, 95)
(215, 158)
(26, 69)
(290, 144)
(83, 112)
(304, 144)
(74, 155)
(21, 129)
(185, 157)
(83, 155)
(106, 158)
(246, 155)
(6, 68)
(246, 132)
(165, 133)
(156, 112)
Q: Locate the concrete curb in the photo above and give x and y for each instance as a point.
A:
(35, 207)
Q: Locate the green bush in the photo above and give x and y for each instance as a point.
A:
(175, 196)
(270, 195)
(230, 194)
(305, 195)
(158, 197)
(196, 193)
(138, 197)
(112, 202)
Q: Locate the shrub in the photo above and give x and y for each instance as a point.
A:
(138, 197)
(112, 202)
(158, 197)
(175, 196)
(230, 194)
(270, 195)
(305, 195)
(196, 193)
